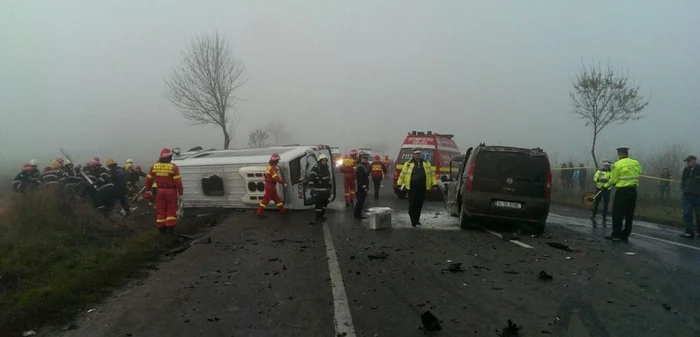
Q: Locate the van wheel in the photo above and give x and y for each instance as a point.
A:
(401, 194)
(537, 228)
(464, 221)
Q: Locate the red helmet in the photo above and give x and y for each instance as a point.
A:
(353, 153)
(137, 168)
(26, 167)
(377, 157)
(60, 161)
(96, 160)
(165, 152)
(47, 168)
(274, 157)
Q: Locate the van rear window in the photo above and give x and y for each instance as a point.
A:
(519, 166)
(407, 154)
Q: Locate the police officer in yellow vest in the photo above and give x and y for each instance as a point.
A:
(418, 177)
(625, 178)
(601, 177)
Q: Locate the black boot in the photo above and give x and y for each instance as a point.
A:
(170, 230)
(376, 195)
(161, 230)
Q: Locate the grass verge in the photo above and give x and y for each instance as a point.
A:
(646, 210)
(57, 257)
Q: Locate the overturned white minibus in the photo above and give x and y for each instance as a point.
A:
(234, 178)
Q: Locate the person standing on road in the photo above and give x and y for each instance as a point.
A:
(625, 178)
(320, 183)
(417, 177)
(348, 171)
(362, 174)
(601, 177)
(272, 178)
(664, 187)
(387, 165)
(690, 185)
(378, 171)
(167, 176)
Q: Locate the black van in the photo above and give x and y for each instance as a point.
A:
(500, 182)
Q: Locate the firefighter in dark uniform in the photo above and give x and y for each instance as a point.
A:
(625, 178)
(362, 176)
(417, 177)
(320, 183)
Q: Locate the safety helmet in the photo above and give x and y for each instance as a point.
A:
(129, 161)
(60, 161)
(54, 164)
(47, 169)
(606, 163)
(96, 159)
(322, 157)
(67, 162)
(33, 162)
(128, 165)
(110, 162)
(26, 167)
(165, 153)
(137, 168)
(274, 157)
(417, 150)
(364, 154)
(353, 153)
(377, 157)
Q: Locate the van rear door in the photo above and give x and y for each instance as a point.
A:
(516, 173)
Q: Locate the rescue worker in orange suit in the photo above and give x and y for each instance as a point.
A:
(272, 178)
(378, 171)
(387, 165)
(348, 170)
(167, 176)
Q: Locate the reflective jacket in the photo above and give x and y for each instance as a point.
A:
(272, 177)
(625, 173)
(378, 169)
(405, 176)
(165, 175)
(52, 177)
(320, 178)
(348, 168)
(601, 177)
(119, 178)
(23, 182)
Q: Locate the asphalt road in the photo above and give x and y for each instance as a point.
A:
(284, 277)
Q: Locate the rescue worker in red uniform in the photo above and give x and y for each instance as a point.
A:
(387, 166)
(378, 171)
(272, 178)
(348, 170)
(167, 176)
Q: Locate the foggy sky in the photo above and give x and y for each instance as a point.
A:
(88, 75)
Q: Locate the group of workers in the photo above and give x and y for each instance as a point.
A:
(104, 185)
(624, 176)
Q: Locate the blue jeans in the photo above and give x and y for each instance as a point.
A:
(691, 202)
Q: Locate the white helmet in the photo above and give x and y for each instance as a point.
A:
(322, 157)
(129, 161)
(33, 162)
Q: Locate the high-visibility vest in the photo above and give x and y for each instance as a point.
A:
(601, 177)
(625, 173)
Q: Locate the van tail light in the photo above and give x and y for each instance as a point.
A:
(548, 188)
(470, 177)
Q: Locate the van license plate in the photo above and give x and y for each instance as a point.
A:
(508, 204)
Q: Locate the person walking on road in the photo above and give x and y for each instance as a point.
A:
(362, 175)
(601, 177)
(625, 178)
(664, 187)
(417, 177)
(272, 178)
(690, 185)
(320, 183)
(378, 171)
(348, 170)
(387, 166)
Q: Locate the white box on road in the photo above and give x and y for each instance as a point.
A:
(379, 217)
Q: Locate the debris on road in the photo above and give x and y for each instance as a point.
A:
(29, 333)
(511, 330)
(273, 259)
(286, 240)
(379, 217)
(454, 268)
(543, 276)
(511, 272)
(630, 253)
(201, 241)
(178, 250)
(380, 256)
(430, 322)
(667, 307)
(91, 311)
(184, 236)
(558, 245)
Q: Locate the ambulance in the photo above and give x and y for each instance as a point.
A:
(234, 178)
(438, 150)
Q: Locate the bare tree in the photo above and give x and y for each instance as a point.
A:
(258, 138)
(278, 132)
(602, 98)
(203, 86)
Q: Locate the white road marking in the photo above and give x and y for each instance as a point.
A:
(513, 241)
(342, 316)
(666, 241)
